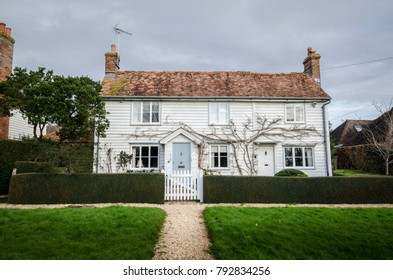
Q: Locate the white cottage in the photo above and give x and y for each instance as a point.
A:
(220, 122)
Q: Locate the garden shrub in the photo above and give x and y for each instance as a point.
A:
(291, 172)
(361, 157)
(327, 190)
(38, 188)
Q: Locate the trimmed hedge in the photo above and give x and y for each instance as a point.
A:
(33, 167)
(10, 152)
(75, 157)
(327, 190)
(38, 188)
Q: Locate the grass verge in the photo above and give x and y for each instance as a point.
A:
(352, 172)
(111, 233)
(300, 233)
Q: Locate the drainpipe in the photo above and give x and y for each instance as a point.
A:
(97, 152)
(327, 139)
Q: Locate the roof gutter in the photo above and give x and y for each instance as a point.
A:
(213, 98)
(326, 133)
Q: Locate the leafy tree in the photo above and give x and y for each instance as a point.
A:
(73, 103)
(80, 108)
(31, 92)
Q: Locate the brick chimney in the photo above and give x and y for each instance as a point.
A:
(6, 57)
(6, 51)
(112, 61)
(311, 65)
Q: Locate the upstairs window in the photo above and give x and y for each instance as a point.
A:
(294, 113)
(219, 113)
(145, 112)
(299, 157)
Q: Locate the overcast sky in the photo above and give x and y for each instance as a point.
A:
(71, 37)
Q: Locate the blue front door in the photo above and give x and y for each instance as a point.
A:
(181, 154)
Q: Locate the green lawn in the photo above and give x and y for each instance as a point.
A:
(351, 172)
(300, 233)
(79, 233)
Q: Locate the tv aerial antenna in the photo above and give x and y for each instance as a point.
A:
(119, 32)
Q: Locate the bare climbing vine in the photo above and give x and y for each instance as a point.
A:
(241, 138)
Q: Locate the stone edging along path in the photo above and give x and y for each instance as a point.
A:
(184, 235)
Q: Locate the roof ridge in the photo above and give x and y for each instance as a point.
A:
(210, 71)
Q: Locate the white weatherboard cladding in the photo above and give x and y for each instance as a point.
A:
(195, 114)
(19, 127)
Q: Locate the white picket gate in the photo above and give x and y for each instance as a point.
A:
(184, 185)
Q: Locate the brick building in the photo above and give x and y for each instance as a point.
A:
(6, 56)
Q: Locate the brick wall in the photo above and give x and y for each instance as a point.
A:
(6, 56)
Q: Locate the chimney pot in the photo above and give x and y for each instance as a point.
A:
(2, 27)
(8, 31)
(113, 48)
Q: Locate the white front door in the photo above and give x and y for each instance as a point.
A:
(265, 160)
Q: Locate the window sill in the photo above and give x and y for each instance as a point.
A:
(293, 122)
(300, 167)
(142, 170)
(219, 168)
(145, 124)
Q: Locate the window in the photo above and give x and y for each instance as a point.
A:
(145, 157)
(146, 112)
(219, 156)
(299, 157)
(219, 113)
(294, 113)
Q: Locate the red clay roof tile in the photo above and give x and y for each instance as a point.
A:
(215, 83)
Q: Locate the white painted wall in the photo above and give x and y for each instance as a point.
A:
(19, 127)
(176, 113)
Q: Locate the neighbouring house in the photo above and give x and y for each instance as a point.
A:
(353, 140)
(14, 127)
(221, 122)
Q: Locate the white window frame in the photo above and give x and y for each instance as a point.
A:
(219, 147)
(218, 120)
(134, 159)
(140, 119)
(303, 166)
(296, 118)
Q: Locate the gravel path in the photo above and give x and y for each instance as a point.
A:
(184, 235)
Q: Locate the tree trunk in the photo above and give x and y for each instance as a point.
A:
(41, 127)
(35, 131)
(387, 166)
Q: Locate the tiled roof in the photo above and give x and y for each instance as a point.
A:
(214, 84)
(348, 133)
(355, 132)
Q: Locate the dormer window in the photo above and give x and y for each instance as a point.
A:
(358, 127)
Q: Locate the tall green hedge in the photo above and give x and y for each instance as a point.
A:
(327, 190)
(69, 157)
(38, 188)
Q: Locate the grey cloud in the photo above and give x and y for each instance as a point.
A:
(71, 37)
